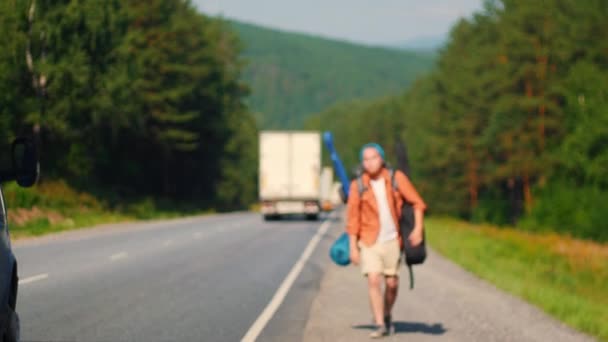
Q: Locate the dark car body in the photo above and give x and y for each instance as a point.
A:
(24, 170)
(8, 273)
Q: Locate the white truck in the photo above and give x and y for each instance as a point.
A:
(327, 183)
(336, 199)
(289, 173)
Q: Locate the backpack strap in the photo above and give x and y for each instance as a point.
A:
(362, 188)
(411, 272)
(359, 173)
(393, 179)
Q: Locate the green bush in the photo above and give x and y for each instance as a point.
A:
(493, 208)
(145, 209)
(566, 208)
(55, 194)
(18, 197)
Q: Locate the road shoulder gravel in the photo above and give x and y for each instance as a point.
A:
(448, 304)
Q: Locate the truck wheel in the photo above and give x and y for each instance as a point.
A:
(312, 217)
(13, 329)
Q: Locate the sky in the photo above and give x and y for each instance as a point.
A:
(374, 22)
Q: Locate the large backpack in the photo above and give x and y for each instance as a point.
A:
(414, 255)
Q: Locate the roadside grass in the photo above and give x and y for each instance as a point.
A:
(255, 207)
(565, 277)
(55, 206)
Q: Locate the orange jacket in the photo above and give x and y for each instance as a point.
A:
(363, 219)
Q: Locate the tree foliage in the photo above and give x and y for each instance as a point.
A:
(128, 98)
(512, 124)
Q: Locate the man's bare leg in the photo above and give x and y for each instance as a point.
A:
(374, 281)
(390, 294)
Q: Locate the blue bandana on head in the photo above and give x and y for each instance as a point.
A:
(375, 146)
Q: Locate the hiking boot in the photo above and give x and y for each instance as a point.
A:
(379, 332)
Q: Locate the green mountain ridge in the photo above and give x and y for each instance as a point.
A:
(294, 75)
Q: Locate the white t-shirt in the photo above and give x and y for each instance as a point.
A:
(388, 230)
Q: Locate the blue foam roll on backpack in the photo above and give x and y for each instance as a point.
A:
(340, 250)
(338, 166)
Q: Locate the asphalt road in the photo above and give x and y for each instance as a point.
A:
(203, 279)
(214, 278)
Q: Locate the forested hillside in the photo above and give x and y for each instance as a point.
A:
(512, 124)
(294, 75)
(129, 98)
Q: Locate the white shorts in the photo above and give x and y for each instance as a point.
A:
(382, 258)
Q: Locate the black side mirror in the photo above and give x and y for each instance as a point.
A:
(26, 167)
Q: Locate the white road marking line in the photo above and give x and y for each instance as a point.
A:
(118, 256)
(259, 325)
(167, 243)
(33, 278)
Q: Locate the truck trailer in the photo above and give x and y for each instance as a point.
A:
(289, 173)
